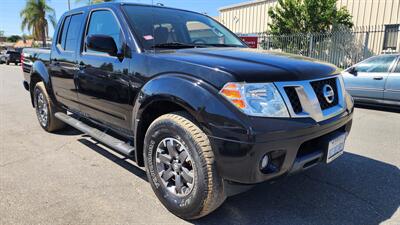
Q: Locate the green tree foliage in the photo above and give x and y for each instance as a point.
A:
(307, 16)
(1, 33)
(14, 38)
(36, 17)
(27, 37)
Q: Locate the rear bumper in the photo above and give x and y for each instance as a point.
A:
(293, 144)
(12, 60)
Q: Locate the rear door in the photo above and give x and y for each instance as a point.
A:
(63, 61)
(103, 80)
(370, 79)
(392, 89)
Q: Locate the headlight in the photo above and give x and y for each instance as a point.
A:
(259, 99)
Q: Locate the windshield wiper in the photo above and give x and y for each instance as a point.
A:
(174, 45)
(221, 45)
(177, 45)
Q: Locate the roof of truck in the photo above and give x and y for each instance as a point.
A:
(108, 4)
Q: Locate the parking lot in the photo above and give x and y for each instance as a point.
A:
(68, 178)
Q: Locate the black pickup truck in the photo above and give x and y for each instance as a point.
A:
(185, 98)
(8, 57)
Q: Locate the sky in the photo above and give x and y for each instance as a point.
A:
(10, 21)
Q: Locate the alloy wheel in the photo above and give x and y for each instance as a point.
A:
(175, 167)
(42, 109)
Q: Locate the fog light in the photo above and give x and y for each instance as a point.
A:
(264, 162)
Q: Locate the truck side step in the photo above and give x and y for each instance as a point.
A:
(109, 140)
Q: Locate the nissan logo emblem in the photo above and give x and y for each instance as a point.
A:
(328, 93)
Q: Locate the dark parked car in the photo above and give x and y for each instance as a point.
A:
(375, 80)
(8, 57)
(205, 115)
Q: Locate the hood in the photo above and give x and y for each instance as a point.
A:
(252, 65)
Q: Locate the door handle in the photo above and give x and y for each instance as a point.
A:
(81, 66)
(378, 78)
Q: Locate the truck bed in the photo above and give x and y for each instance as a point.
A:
(30, 55)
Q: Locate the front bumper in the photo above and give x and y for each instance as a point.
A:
(295, 144)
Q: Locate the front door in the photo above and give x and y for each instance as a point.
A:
(103, 81)
(370, 77)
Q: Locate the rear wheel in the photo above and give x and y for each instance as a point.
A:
(16, 63)
(45, 109)
(181, 168)
(7, 62)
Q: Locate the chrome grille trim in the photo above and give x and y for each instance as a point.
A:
(309, 100)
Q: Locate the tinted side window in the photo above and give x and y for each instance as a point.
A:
(73, 32)
(63, 32)
(103, 22)
(378, 64)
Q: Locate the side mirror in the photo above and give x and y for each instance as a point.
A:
(352, 70)
(102, 43)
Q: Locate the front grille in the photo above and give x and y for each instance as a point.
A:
(306, 98)
(318, 89)
(294, 99)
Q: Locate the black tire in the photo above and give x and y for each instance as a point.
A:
(16, 63)
(207, 192)
(7, 62)
(40, 95)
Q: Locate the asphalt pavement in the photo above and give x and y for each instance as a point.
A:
(68, 178)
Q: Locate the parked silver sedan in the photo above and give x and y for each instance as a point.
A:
(375, 80)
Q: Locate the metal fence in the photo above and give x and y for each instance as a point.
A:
(343, 47)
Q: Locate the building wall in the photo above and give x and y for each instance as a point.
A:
(372, 12)
(247, 18)
(252, 16)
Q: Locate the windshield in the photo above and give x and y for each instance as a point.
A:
(170, 28)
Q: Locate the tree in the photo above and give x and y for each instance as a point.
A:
(36, 17)
(1, 33)
(14, 38)
(26, 37)
(307, 16)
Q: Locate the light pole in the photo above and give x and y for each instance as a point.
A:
(69, 4)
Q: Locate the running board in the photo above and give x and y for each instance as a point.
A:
(110, 141)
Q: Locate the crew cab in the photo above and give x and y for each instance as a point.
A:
(185, 98)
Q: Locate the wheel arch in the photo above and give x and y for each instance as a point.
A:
(166, 94)
(40, 73)
(35, 78)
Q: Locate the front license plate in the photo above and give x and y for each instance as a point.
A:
(335, 148)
